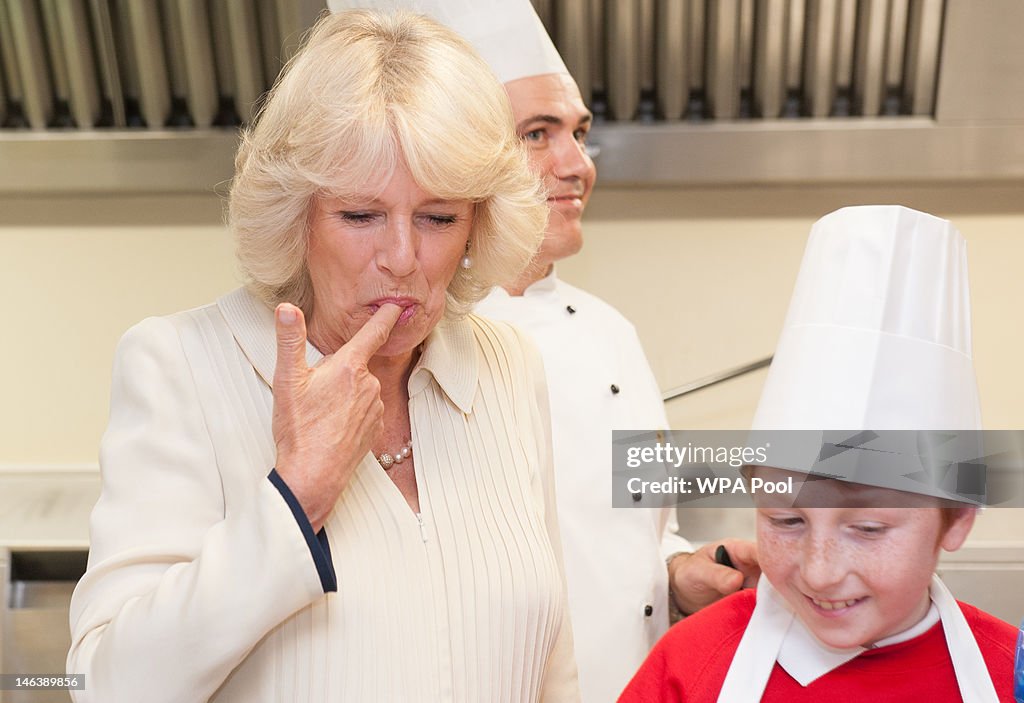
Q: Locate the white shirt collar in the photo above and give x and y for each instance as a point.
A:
(771, 623)
(548, 285)
(924, 624)
(544, 286)
(806, 658)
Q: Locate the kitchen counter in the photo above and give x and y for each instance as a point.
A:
(47, 509)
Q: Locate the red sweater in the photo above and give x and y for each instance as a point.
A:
(690, 662)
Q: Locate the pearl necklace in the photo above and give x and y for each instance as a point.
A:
(387, 460)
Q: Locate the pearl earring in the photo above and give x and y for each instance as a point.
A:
(467, 260)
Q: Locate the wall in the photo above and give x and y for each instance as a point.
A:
(75, 273)
(705, 274)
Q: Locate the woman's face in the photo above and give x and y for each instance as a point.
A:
(398, 245)
(860, 571)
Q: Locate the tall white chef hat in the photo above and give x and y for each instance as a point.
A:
(877, 336)
(508, 34)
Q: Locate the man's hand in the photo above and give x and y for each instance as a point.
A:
(327, 417)
(696, 580)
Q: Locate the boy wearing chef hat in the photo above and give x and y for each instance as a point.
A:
(877, 338)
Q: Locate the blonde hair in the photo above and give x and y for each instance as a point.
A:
(366, 92)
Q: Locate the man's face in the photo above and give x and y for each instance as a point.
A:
(553, 122)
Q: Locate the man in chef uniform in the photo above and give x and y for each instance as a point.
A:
(618, 562)
(878, 337)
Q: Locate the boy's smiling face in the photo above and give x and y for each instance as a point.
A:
(859, 570)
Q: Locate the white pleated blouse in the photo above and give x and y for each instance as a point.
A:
(202, 586)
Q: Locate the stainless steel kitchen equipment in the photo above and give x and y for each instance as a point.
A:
(36, 587)
(44, 541)
(144, 96)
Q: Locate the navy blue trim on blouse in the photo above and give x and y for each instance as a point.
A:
(318, 545)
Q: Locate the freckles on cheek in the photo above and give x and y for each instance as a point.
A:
(904, 561)
(774, 553)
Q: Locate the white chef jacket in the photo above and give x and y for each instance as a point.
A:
(599, 380)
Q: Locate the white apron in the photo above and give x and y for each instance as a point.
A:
(759, 648)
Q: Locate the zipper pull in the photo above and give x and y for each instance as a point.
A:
(423, 529)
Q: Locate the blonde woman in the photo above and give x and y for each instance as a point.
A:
(334, 483)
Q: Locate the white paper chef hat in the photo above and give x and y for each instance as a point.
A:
(508, 34)
(877, 336)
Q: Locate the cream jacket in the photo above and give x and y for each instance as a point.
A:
(202, 584)
(614, 557)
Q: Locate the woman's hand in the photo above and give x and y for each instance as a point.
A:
(326, 417)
